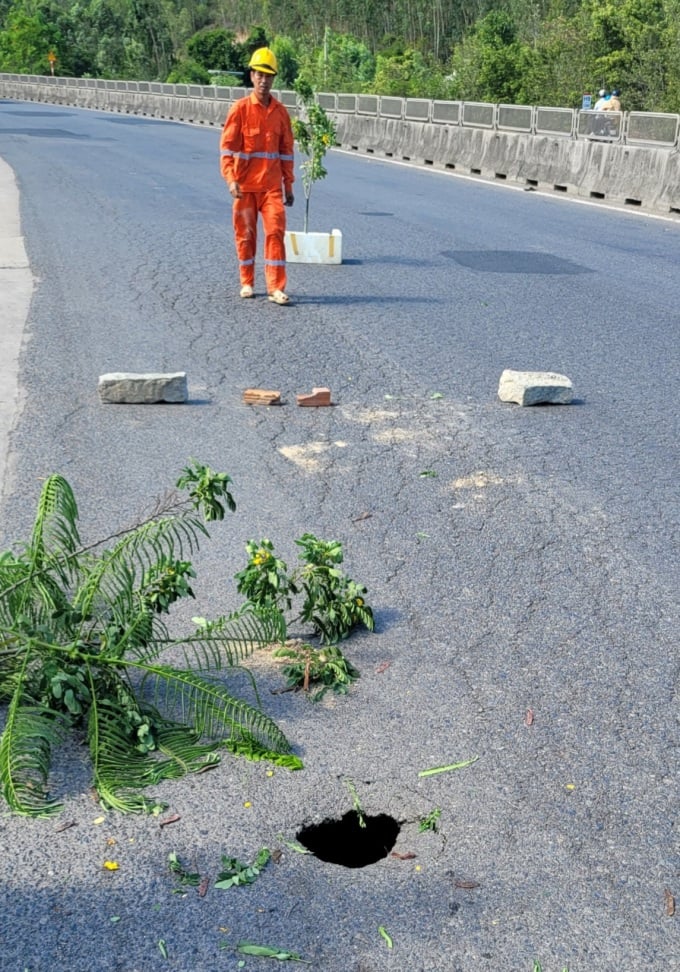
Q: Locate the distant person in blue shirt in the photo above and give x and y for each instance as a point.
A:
(603, 97)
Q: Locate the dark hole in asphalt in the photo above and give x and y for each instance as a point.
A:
(347, 843)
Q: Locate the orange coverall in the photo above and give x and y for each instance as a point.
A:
(256, 150)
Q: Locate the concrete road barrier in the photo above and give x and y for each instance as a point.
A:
(645, 177)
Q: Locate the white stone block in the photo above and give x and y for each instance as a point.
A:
(535, 388)
(143, 389)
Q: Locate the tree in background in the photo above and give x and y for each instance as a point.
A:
(627, 40)
(410, 74)
(339, 63)
(188, 71)
(669, 97)
(105, 40)
(151, 31)
(559, 66)
(491, 63)
(216, 49)
(524, 51)
(210, 50)
(25, 43)
(287, 58)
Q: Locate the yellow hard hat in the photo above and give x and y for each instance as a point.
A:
(264, 61)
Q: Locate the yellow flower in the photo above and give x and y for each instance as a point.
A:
(111, 865)
(360, 601)
(247, 804)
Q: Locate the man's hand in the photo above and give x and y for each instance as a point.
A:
(289, 198)
(235, 190)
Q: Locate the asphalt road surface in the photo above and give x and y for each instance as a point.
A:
(522, 562)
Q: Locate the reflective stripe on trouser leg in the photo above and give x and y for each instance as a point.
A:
(274, 222)
(244, 218)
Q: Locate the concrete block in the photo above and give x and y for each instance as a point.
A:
(535, 388)
(261, 396)
(319, 397)
(143, 389)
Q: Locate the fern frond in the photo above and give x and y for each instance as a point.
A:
(209, 708)
(25, 756)
(186, 754)
(121, 770)
(27, 595)
(136, 632)
(55, 534)
(12, 572)
(113, 577)
(224, 642)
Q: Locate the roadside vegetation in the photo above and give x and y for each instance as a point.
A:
(548, 52)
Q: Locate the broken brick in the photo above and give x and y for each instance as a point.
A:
(261, 396)
(317, 398)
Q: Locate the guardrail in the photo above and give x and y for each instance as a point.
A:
(634, 127)
(627, 158)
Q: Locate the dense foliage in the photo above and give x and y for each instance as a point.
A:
(84, 646)
(520, 51)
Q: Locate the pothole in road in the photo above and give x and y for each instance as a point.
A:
(347, 843)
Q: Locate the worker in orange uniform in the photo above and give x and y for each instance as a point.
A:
(256, 158)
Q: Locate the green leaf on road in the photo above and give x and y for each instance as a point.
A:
(447, 769)
(265, 951)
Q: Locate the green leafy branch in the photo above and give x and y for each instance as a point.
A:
(82, 639)
(315, 133)
(234, 873)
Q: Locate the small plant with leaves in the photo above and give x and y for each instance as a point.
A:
(208, 491)
(332, 603)
(356, 803)
(316, 670)
(234, 873)
(315, 133)
(430, 821)
(184, 879)
(82, 645)
(265, 580)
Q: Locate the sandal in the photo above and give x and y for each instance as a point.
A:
(247, 291)
(278, 297)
